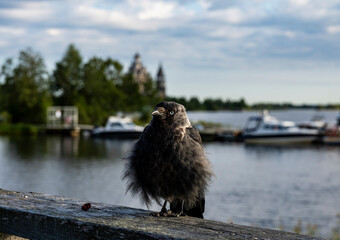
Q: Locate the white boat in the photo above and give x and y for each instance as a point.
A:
(118, 127)
(318, 122)
(268, 130)
(332, 135)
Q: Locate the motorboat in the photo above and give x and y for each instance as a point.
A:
(118, 127)
(267, 129)
(332, 135)
(317, 122)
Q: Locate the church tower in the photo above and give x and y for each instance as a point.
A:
(138, 72)
(160, 80)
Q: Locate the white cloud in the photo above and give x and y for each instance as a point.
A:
(157, 10)
(333, 29)
(205, 4)
(299, 2)
(272, 32)
(234, 15)
(230, 15)
(10, 31)
(53, 31)
(289, 34)
(29, 11)
(3, 43)
(313, 10)
(132, 15)
(231, 32)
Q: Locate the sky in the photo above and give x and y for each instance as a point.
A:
(259, 50)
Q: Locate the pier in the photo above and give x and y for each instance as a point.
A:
(67, 131)
(41, 216)
(63, 120)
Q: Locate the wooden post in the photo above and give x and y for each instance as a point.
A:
(41, 216)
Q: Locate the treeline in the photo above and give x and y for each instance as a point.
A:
(98, 87)
(213, 104)
(210, 104)
(279, 106)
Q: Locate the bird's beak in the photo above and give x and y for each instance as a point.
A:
(156, 113)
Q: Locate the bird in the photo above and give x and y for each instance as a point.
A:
(168, 163)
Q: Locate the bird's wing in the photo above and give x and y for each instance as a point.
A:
(146, 129)
(194, 134)
(143, 142)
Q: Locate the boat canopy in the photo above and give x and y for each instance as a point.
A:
(267, 122)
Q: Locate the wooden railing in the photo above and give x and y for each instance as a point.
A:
(41, 216)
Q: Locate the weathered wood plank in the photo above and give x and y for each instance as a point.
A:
(10, 237)
(41, 216)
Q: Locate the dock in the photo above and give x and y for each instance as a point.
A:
(43, 217)
(66, 131)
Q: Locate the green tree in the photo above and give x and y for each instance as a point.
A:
(180, 100)
(210, 104)
(131, 96)
(150, 95)
(194, 104)
(100, 94)
(134, 101)
(24, 88)
(67, 78)
(238, 105)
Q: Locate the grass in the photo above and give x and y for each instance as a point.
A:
(312, 229)
(18, 129)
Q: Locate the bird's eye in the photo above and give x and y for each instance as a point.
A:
(172, 113)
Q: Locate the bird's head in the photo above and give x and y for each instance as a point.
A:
(171, 113)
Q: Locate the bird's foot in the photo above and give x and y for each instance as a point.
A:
(180, 214)
(162, 213)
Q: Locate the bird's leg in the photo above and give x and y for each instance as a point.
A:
(181, 213)
(163, 210)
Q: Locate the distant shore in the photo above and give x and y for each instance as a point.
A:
(216, 104)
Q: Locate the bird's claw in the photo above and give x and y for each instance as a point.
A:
(176, 214)
(179, 214)
(162, 213)
(155, 214)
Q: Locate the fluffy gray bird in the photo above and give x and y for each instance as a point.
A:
(168, 163)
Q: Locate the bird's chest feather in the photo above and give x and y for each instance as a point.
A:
(166, 151)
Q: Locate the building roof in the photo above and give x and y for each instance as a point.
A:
(137, 55)
(160, 71)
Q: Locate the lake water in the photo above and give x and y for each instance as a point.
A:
(255, 185)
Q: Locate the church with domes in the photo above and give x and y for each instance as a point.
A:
(140, 75)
